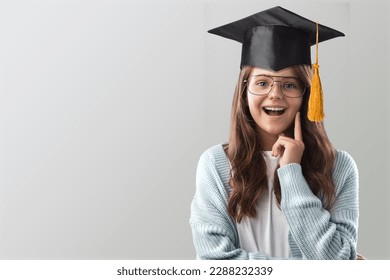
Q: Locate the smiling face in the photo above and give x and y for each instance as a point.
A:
(273, 113)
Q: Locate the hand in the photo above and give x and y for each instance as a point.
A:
(290, 150)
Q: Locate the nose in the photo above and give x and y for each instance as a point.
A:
(276, 91)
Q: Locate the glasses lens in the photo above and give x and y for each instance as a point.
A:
(260, 85)
(292, 87)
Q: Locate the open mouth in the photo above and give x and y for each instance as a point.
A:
(274, 111)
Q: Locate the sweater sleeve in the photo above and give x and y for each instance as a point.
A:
(322, 234)
(214, 233)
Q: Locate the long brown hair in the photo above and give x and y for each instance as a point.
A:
(248, 176)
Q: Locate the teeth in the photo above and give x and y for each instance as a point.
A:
(274, 108)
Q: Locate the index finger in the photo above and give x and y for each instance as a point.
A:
(297, 127)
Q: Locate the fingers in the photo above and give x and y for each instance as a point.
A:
(289, 150)
(279, 146)
(297, 127)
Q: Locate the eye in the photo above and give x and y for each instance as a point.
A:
(290, 86)
(262, 83)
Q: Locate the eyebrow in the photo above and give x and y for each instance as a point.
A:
(295, 77)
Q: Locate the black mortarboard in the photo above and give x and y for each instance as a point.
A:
(275, 38)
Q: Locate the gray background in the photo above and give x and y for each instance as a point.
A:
(106, 106)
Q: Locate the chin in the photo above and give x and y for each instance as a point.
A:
(273, 130)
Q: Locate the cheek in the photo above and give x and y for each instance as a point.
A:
(295, 105)
(254, 103)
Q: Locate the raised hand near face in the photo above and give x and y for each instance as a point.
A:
(288, 149)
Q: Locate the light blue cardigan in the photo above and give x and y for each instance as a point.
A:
(315, 233)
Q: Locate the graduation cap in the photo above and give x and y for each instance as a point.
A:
(277, 38)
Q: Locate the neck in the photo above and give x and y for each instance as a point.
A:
(267, 141)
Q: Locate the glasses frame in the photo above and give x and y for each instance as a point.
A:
(246, 81)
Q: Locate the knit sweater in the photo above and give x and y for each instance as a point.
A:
(314, 232)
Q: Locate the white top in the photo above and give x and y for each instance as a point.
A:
(268, 232)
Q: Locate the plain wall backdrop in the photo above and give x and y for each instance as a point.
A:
(106, 106)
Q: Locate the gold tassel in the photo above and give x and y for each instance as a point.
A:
(316, 108)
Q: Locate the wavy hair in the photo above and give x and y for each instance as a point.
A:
(248, 175)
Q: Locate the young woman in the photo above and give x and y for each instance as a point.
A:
(277, 189)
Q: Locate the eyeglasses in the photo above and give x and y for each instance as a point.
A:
(289, 86)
